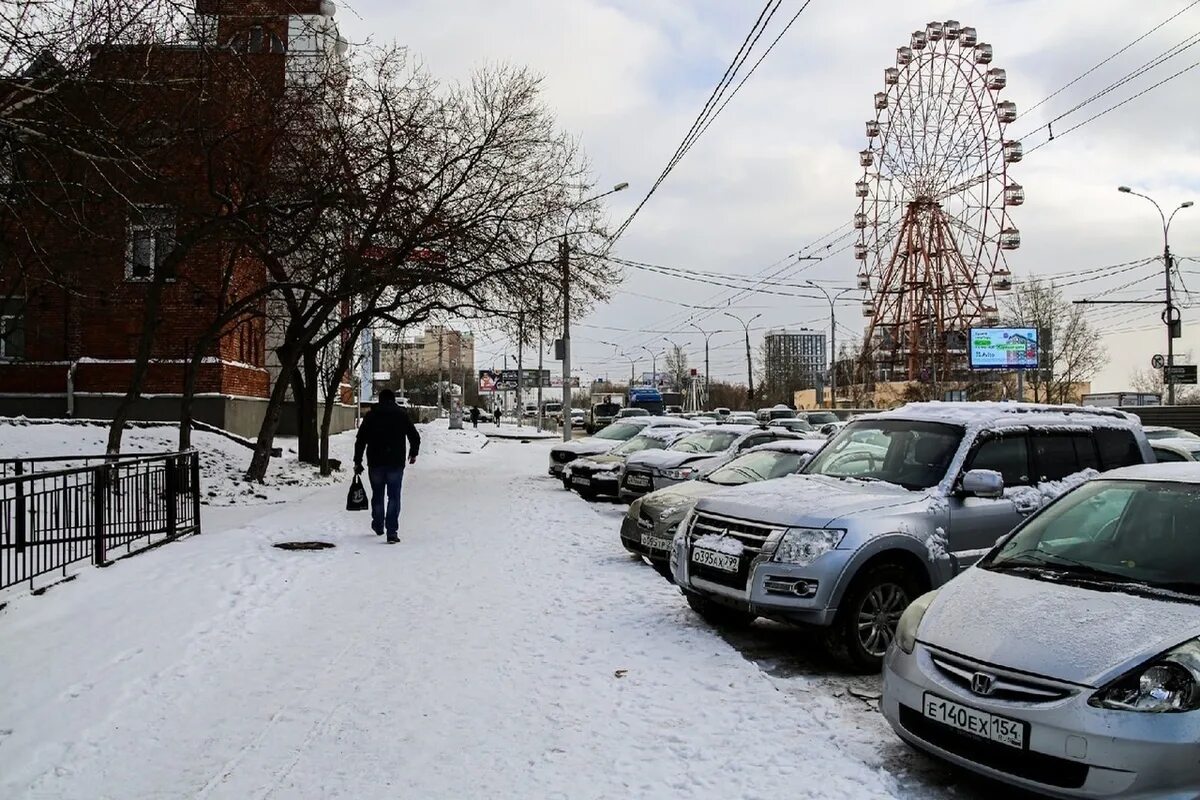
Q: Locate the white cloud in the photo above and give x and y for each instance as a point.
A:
(777, 169)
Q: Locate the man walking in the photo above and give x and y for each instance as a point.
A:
(474, 416)
(383, 434)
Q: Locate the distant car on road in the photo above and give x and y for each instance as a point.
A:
(1068, 661)
(625, 413)
(578, 418)
(894, 505)
(652, 519)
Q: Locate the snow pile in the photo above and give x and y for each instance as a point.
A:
(721, 544)
(1046, 492)
(936, 544)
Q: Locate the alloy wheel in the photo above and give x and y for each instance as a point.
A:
(879, 615)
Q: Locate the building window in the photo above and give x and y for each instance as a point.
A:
(256, 40)
(12, 336)
(151, 239)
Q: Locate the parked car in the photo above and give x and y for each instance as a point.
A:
(892, 506)
(693, 455)
(722, 411)
(625, 413)
(600, 475)
(780, 411)
(1154, 432)
(795, 425)
(742, 418)
(607, 439)
(650, 524)
(819, 418)
(673, 411)
(1167, 451)
(1068, 660)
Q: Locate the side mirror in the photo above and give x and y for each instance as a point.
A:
(983, 483)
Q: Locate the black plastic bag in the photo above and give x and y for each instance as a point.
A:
(356, 498)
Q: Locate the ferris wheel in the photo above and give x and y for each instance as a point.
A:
(934, 196)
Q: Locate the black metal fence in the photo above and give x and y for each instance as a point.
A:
(55, 512)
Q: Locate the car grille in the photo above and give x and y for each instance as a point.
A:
(751, 536)
(562, 456)
(643, 489)
(1044, 769)
(1020, 688)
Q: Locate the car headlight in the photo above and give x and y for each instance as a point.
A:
(680, 473)
(910, 621)
(1169, 683)
(802, 546)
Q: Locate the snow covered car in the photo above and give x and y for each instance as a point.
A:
(693, 455)
(608, 438)
(595, 476)
(1167, 451)
(1067, 661)
(894, 505)
(650, 524)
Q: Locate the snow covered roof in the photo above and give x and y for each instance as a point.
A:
(1004, 415)
(792, 445)
(1179, 472)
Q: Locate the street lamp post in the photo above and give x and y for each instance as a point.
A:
(745, 323)
(653, 364)
(832, 340)
(564, 254)
(1170, 316)
(706, 336)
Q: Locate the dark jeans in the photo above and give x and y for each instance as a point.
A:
(387, 479)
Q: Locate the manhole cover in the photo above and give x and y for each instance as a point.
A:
(304, 545)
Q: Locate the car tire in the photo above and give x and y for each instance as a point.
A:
(883, 591)
(587, 494)
(717, 615)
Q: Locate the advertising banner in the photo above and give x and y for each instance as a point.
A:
(1004, 348)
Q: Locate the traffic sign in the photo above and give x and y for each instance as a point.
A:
(1180, 373)
(1158, 362)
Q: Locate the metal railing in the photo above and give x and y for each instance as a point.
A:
(55, 512)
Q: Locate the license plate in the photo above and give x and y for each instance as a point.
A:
(580, 480)
(635, 479)
(974, 722)
(711, 558)
(655, 542)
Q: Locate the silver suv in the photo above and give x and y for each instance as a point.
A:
(896, 504)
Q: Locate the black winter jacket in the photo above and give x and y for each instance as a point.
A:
(383, 433)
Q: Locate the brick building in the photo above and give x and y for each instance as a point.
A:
(74, 286)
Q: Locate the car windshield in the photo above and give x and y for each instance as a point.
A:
(634, 412)
(758, 466)
(705, 442)
(620, 431)
(911, 454)
(637, 444)
(606, 409)
(552, 407)
(821, 417)
(1139, 534)
(1170, 433)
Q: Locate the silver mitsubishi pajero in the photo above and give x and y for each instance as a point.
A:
(896, 504)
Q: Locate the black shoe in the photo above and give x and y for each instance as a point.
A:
(393, 539)
(378, 531)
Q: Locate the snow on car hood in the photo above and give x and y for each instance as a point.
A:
(1057, 630)
(587, 446)
(665, 459)
(806, 500)
(681, 495)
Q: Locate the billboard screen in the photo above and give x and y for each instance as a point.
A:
(1004, 348)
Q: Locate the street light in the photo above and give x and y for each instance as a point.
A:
(832, 340)
(654, 364)
(706, 336)
(1170, 315)
(564, 255)
(749, 364)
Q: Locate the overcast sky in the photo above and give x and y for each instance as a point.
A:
(777, 169)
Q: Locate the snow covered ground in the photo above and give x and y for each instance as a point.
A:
(507, 647)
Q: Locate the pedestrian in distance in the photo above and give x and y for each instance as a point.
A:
(474, 416)
(496, 415)
(383, 436)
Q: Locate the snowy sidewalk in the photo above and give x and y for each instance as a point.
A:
(507, 648)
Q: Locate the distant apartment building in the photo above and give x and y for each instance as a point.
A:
(792, 360)
(439, 347)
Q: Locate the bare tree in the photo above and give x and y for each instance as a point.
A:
(1071, 350)
(1151, 381)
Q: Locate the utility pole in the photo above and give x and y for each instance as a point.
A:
(706, 336)
(520, 372)
(749, 362)
(441, 337)
(541, 352)
(564, 254)
(832, 339)
(1170, 315)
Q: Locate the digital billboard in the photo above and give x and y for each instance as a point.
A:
(1004, 348)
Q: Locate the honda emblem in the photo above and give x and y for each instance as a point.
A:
(982, 683)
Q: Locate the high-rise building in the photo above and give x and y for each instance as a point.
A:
(792, 359)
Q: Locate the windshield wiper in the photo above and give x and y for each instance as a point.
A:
(1040, 559)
